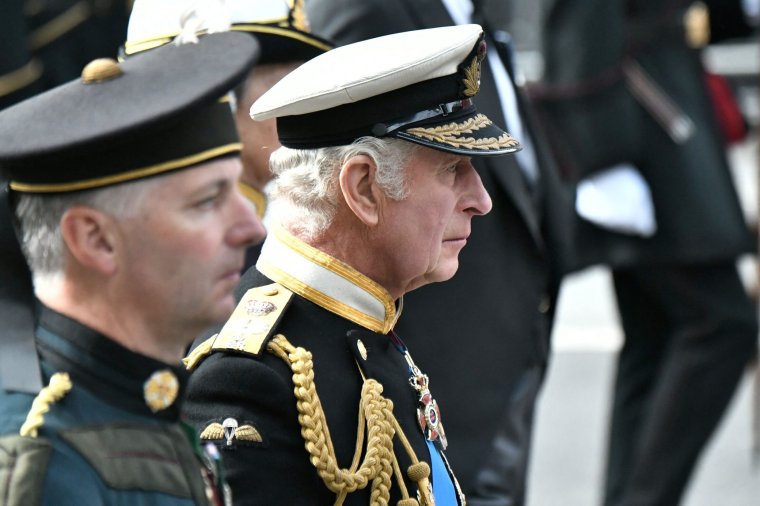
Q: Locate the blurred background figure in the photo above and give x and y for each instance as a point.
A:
(48, 42)
(282, 30)
(483, 336)
(625, 103)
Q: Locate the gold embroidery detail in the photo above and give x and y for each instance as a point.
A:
(472, 75)
(246, 331)
(213, 432)
(248, 433)
(452, 134)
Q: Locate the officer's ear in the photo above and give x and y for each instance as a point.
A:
(360, 191)
(90, 237)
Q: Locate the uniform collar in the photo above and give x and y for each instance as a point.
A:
(327, 282)
(115, 374)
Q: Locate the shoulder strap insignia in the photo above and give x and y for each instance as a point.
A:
(254, 319)
(199, 353)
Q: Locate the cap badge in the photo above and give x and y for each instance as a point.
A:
(160, 390)
(471, 79)
(101, 69)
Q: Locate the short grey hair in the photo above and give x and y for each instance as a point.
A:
(304, 195)
(40, 217)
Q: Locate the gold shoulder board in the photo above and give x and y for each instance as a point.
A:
(253, 320)
(200, 352)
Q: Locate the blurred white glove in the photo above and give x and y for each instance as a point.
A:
(617, 199)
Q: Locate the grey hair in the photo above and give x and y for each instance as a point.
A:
(40, 218)
(304, 195)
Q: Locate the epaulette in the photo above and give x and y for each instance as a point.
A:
(251, 325)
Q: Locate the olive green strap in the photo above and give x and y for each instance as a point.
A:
(23, 466)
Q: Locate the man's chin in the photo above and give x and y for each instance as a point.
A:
(222, 310)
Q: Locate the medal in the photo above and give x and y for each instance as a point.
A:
(428, 413)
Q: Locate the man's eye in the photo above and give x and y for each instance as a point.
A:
(207, 201)
(453, 168)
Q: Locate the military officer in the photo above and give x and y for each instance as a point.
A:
(307, 390)
(124, 184)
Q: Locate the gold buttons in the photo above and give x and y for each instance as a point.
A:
(101, 69)
(270, 291)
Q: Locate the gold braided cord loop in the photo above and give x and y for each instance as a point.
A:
(59, 386)
(376, 467)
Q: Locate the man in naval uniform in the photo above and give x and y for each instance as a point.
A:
(307, 390)
(282, 31)
(124, 184)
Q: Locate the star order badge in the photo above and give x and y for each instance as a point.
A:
(428, 413)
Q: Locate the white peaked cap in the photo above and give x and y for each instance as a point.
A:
(413, 85)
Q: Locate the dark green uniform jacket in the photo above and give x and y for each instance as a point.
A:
(92, 437)
(332, 325)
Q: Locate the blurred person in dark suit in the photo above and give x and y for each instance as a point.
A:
(624, 101)
(491, 323)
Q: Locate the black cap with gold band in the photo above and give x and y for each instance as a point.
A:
(280, 26)
(155, 113)
(417, 86)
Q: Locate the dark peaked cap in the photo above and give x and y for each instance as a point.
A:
(157, 112)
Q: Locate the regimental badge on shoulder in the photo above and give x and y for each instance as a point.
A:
(230, 430)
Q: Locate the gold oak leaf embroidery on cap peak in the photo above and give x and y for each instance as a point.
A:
(451, 133)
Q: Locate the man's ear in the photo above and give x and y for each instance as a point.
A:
(360, 191)
(90, 237)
